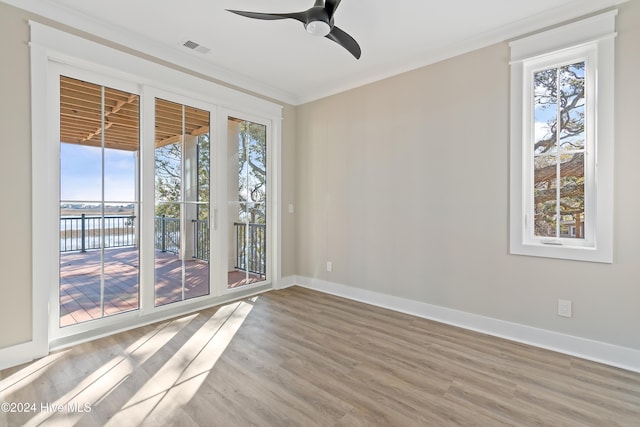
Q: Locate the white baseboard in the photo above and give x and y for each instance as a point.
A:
(16, 355)
(613, 355)
(286, 282)
(621, 357)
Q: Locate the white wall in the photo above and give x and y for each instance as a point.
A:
(403, 185)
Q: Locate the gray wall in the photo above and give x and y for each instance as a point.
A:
(15, 175)
(15, 179)
(403, 185)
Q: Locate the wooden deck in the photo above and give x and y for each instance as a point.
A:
(80, 282)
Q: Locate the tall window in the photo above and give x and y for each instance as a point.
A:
(559, 145)
(562, 142)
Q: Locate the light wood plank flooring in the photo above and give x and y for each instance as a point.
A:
(300, 358)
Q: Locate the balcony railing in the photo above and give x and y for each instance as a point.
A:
(201, 241)
(251, 248)
(83, 233)
(167, 234)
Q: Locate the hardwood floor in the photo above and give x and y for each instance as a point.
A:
(296, 357)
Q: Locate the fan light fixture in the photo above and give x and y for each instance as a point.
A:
(317, 20)
(318, 28)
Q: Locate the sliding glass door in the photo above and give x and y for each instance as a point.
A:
(182, 194)
(247, 207)
(98, 216)
(158, 208)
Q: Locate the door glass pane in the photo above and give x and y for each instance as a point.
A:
(76, 161)
(182, 187)
(99, 145)
(168, 265)
(121, 150)
(196, 201)
(247, 207)
(80, 262)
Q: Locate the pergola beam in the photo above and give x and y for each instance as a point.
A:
(81, 121)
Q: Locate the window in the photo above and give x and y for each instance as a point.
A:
(562, 142)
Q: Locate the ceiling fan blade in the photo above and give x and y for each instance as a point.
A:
(330, 6)
(299, 16)
(345, 40)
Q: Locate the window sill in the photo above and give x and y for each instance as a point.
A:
(602, 254)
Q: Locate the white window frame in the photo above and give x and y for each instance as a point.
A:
(590, 40)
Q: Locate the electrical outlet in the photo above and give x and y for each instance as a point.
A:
(329, 266)
(564, 308)
(291, 208)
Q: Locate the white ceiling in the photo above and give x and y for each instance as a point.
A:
(279, 59)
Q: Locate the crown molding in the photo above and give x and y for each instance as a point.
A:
(147, 46)
(535, 23)
(141, 43)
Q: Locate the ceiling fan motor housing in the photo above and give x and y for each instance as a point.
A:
(318, 22)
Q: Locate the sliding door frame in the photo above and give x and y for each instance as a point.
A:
(149, 96)
(271, 210)
(56, 72)
(51, 47)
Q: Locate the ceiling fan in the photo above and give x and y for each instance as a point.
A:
(317, 20)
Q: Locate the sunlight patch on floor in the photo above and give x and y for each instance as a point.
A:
(29, 374)
(108, 378)
(181, 377)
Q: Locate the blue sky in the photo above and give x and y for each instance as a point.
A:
(81, 174)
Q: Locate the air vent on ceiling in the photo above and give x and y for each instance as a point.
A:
(190, 44)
